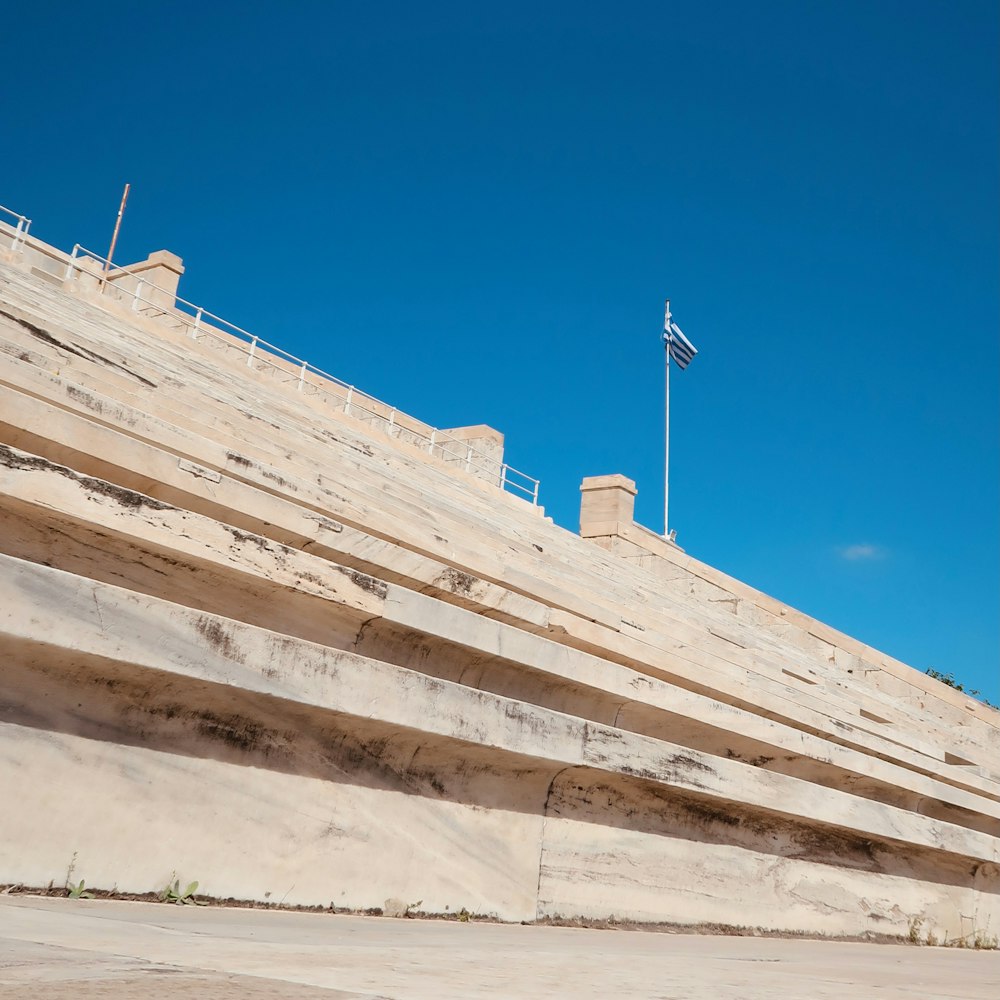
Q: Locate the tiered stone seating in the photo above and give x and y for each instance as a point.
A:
(450, 643)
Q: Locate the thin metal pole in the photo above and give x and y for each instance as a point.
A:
(69, 264)
(666, 425)
(118, 225)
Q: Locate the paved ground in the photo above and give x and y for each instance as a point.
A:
(57, 949)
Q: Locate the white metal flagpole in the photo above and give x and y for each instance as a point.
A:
(666, 427)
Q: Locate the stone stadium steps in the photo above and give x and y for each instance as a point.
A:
(216, 583)
(185, 558)
(706, 660)
(774, 651)
(924, 749)
(379, 693)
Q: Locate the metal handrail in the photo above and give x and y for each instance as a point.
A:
(21, 230)
(194, 317)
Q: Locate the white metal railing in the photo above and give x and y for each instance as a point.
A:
(201, 323)
(20, 230)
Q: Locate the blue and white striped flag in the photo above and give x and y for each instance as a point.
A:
(678, 346)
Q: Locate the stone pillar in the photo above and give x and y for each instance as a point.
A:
(156, 278)
(605, 502)
(477, 449)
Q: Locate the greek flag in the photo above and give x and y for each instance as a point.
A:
(678, 346)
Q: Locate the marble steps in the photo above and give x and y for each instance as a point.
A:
(186, 558)
(165, 469)
(190, 452)
(107, 626)
(862, 692)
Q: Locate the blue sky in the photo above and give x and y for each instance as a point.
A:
(475, 211)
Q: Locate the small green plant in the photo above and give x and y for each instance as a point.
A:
(932, 940)
(914, 934)
(172, 893)
(464, 916)
(70, 868)
(79, 891)
(949, 679)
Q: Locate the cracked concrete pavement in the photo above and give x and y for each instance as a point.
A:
(53, 948)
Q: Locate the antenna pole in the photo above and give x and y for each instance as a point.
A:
(118, 225)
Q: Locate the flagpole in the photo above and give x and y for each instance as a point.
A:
(666, 428)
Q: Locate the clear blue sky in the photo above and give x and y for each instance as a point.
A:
(475, 211)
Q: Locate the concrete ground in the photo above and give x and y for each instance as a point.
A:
(51, 949)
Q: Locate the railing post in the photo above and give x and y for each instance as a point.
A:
(392, 420)
(135, 295)
(468, 458)
(503, 476)
(69, 263)
(430, 446)
(347, 402)
(302, 374)
(253, 348)
(17, 233)
(534, 496)
(197, 324)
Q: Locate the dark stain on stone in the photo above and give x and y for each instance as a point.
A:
(26, 462)
(218, 638)
(245, 537)
(364, 449)
(456, 581)
(80, 352)
(361, 449)
(761, 761)
(708, 815)
(127, 498)
(237, 459)
(683, 760)
(82, 396)
(253, 416)
(823, 843)
(235, 731)
(377, 587)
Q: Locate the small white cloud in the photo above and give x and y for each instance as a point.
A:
(862, 552)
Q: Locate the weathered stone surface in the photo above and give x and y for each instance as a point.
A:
(258, 639)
